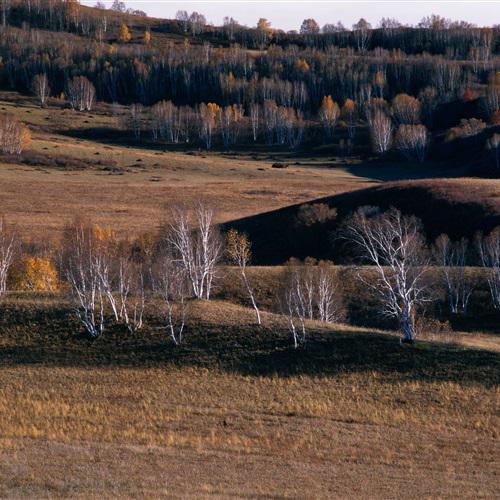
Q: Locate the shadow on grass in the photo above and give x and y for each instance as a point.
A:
(46, 336)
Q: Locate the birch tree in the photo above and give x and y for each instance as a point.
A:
(380, 131)
(81, 93)
(196, 245)
(489, 252)
(412, 141)
(15, 137)
(329, 113)
(7, 251)
(452, 259)
(239, 251)
(172, 285)
(41, 89)
(208, 116)
(82, 268)
(293, 306)
(131, 292)
(393, 244)
(254, 119)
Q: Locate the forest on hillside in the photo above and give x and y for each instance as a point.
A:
(413, 90)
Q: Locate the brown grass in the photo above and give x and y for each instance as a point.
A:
(236, 412)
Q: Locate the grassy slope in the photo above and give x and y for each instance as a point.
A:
(237, 412)
(458, 207)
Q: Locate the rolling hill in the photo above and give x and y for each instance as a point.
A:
(458, 207)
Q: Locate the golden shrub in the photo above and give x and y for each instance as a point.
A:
(33, 273)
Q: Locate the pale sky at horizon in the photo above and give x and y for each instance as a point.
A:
(289, 14)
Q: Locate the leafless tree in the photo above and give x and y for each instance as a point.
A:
(394, 245)
(196, 245)
(380, 131)
(81, 93)
(172, 284)
(132, 294)
(362, 33)
(239, 251)
(41, 89)
(309, 27)
(197, 21)
(328, 294)
(293, 305)
(15, 137)
(135, 119)
(7, 251)
(254, 119)
(82, 267)
(452, 259)
(489, 252)
(412, 141)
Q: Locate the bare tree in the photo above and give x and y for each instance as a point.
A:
(15, 137)
(254, 119)
(7, 250)
(394, 245)
(135, 119)
(81, 93)
(328, 299)
(41, 89)
(292, 301)
(412, 141)
(239, 251)
(452, 259)
(82, 267)
(309, 27)
(172, 284)
(489, 252)
(131, 290)
(362, 33)
(380, 131)
(196, 245)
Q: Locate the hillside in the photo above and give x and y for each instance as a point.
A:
(458, 207)
(117, 417)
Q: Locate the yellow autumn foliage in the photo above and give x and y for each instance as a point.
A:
(33, 273)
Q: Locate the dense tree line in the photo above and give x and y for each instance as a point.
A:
(293, 76)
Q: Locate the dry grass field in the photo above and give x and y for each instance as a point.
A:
(237, 412)
(78, 165)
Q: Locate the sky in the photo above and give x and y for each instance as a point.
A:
(288, 14)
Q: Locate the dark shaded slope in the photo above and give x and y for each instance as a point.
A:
(458, 207)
